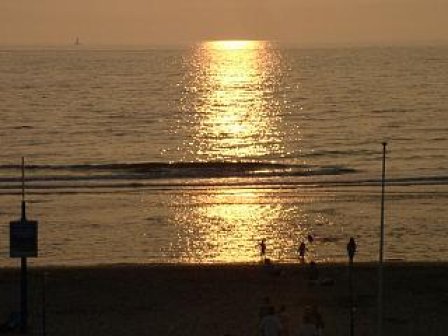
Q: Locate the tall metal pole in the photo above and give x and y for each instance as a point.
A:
(23, 295)
(44, 305)
(23, 189)
(23, 267)
(352, 300)
(351, 250)
(381, 256)
(23, 178)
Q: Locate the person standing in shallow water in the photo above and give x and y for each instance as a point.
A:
(262, 246)
(302, 250)
(351, 249)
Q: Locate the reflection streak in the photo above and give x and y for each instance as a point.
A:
(234, 115)
(231, 92)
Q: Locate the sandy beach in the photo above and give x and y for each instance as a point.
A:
(225, 299)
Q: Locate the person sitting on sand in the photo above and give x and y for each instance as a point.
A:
(284, 320)
(307, 328)
(265, 307)
(270, 324)
(314, 278)
(13, 323)
(313, 273)
(316, 319)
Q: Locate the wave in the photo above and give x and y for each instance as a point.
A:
(175, 174)
(153, 170)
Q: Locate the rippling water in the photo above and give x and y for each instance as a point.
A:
(194, 155)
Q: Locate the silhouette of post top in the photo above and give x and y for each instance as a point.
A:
(23, 232)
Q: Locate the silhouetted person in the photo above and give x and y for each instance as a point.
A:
(263, 248)
(265, 307)
(12, 324)
(317, 319)
(302, 250)
(284, 320)
(351, 249)
(310, 238)
(270, 324)
(307, 328)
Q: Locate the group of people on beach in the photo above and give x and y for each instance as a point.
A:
(302, 249)
(277, 322)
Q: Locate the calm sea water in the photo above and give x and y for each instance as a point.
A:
(194, 155)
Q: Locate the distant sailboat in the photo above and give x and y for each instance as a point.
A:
(77, 43)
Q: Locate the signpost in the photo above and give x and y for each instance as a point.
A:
(23, 238)
(23, 244)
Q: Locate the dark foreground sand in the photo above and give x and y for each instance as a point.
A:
(220, 300)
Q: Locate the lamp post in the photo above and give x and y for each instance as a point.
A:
(351, 250)
(44, 304)
(381, 255)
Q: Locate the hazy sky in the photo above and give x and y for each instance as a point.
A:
(300, 22)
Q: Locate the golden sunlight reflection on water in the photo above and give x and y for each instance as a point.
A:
(231, 102)
(225, 224)
(234, 112)
(234, 115)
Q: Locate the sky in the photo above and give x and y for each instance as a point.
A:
(172, 22)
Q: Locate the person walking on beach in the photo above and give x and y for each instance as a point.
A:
(302, 250)
(262, 246)
(351, 249)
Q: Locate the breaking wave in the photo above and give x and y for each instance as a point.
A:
(175, 174)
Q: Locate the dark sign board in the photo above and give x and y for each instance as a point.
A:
(23, 238)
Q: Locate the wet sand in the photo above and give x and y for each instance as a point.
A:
(225, 300)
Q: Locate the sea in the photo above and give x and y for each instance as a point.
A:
(195, 154)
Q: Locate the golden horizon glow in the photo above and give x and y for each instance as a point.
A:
(233, 44)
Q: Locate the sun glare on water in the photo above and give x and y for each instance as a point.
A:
(234, 114)
(229, 89)
(234, 44)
